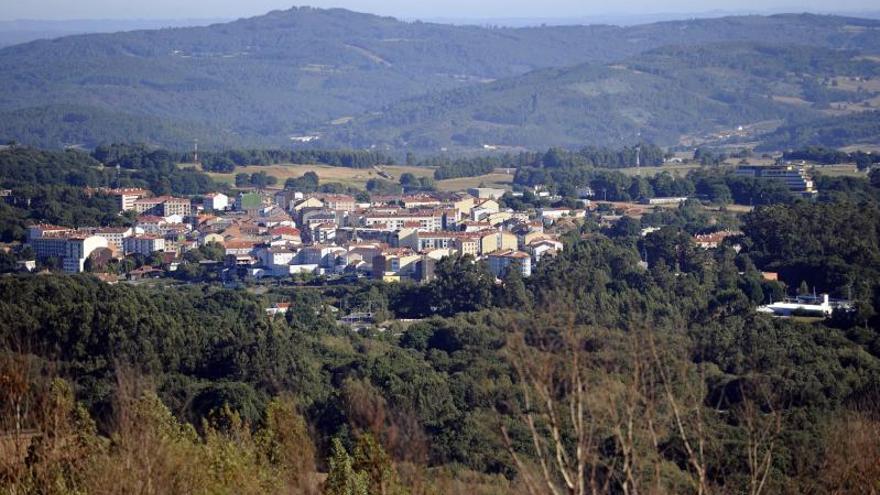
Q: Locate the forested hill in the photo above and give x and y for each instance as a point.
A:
(662, 94)
(261, 80)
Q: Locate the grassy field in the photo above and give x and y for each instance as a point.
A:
(354, 177)
(502, 181)
(358, 177)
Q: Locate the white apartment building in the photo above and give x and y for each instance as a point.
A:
(79, 248)
(144, 244)
(421, 220)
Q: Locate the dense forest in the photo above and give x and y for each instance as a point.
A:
(51, 186)
(596, 374)
(660, 95)
(861, 127)
(454, 389)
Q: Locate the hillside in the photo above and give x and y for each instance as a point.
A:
(662, 94)
(294, 72)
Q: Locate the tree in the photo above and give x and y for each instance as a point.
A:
(242, 180)
(343, 479)
(462, 284)
(370, 459)
(513, 293)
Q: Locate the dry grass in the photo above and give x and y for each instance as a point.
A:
(844, 170)
(358, 177)
(677, 170)
(489, 180)
(354, 177)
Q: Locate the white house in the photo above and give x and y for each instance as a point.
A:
(216, 201)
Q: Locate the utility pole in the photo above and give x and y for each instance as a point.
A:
(639, 160)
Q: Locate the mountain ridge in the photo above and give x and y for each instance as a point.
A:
(287, 73)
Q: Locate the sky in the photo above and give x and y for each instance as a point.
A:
(410, 9)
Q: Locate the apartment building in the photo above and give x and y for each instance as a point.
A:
(115, 235)
(426, 220)
(127, 196)
(163, 206)
(144, 244)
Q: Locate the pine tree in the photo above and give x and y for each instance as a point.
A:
(343, 479)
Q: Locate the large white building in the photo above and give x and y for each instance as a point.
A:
(67, 245)
(795, 178)
(79, 248)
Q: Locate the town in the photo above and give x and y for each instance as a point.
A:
(282, 233)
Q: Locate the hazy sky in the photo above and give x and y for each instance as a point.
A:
(175, 9)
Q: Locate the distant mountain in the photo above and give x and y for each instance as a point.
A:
(25, 30)
(295, 72)
(832, 132)
(662, 95)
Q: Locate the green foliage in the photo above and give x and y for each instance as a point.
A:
(827, 131)
(462, 285)
(343, 479)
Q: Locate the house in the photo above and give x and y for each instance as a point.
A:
(216, 201)
(400, 262)
(308, 203)
(340, 202)
(486, 192)
(483, 209)
(539, 248)
(713, 240)
(324, 233)
(284, 233)
(421, 201)
(239, 247)
(278, 309)
(151, 224)
(550, 215)
(505, 259)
